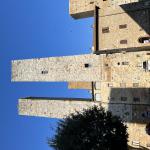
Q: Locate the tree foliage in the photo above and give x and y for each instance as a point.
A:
(91, 129)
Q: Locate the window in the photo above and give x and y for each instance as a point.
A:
(148, 129)
(91, 2)
(105, 30)
(123, 42)
(122, 26)
(136, 99)
(125, 63)
(146, 65)
(123, 98)
(144, 40)
(44, 72)
(110, 85)
(86, 65)
(135, 84)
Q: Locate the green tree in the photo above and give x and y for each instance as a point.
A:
(91, 129)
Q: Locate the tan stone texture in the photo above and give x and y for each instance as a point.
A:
(79, 85)
(68, 68)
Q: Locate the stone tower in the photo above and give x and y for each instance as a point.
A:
(117, 72)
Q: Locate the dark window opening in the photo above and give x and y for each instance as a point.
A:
(144, 40)
(123, 26)
(136, 99)
(144, 65)
(123, 98)
(125, 63)
(86, 65)
(118, 63)
(123, 42)
(148, 129)
(91, 2)
(44, 72)
(105, 30)
(135, 84)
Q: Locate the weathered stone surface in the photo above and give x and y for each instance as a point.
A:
(80, 85)
(68, 68)
(61, 108)
(85, 8)
(52, 108)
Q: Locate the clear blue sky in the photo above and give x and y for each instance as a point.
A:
(31, 29)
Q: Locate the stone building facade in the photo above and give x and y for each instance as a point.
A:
(117, 73)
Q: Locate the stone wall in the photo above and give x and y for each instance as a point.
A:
(69, 68)
(52, 108)
(80, 85)
(60, 108)
(117, 33)
(85, 8)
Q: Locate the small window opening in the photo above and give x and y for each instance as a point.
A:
(122, 26)
(125, 63)
(105, 30)
(148, 129)
(123, 42)
(136, 99)
(146, 65)
(91, 2)
(123, 98)
(86, 65)
(135, 84)
(144, 40)
(118, 63)
(44, 72)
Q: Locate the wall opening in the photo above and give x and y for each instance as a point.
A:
(146, 65)
(44, 72)
(105, 30)
(123, 98)
(148, 128)
(122, 26)
(144, 40)
(136, 99)
(123, 42)
(86, 65)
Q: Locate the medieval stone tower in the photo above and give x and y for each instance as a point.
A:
(117, 72)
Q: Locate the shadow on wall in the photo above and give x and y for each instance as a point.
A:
(140, 16)
(131, 104)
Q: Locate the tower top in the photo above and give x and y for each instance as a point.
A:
(85, 8)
